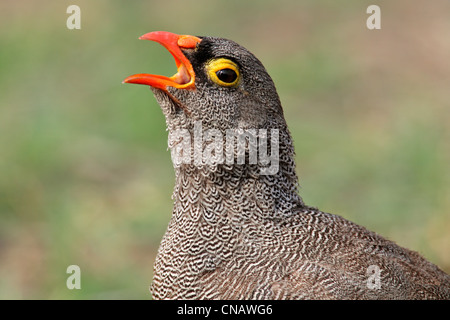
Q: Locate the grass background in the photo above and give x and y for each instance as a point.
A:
(85, 177)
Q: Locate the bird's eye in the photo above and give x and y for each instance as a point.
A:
(226, 75)
(224, 72)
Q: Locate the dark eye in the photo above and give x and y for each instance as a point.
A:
(227, 75)
(223, 72)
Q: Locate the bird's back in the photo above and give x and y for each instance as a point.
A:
(341, 260)
(310, 255)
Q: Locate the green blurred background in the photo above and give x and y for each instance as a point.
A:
(85, 175)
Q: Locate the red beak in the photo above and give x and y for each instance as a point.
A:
(185, 77)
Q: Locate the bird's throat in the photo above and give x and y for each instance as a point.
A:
(216, 188)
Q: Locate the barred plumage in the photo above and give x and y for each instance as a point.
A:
(238, 234)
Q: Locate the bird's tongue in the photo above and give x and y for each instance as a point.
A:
(185, 77)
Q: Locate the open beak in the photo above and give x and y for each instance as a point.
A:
(185, 77)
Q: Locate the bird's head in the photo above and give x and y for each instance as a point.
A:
(218, 82)
(222, 87)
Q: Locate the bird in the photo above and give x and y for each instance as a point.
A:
(239, 228)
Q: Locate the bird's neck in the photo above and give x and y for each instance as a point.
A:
(218, 209)
(267, 190)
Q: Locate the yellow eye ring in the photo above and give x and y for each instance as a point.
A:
(224, 72)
